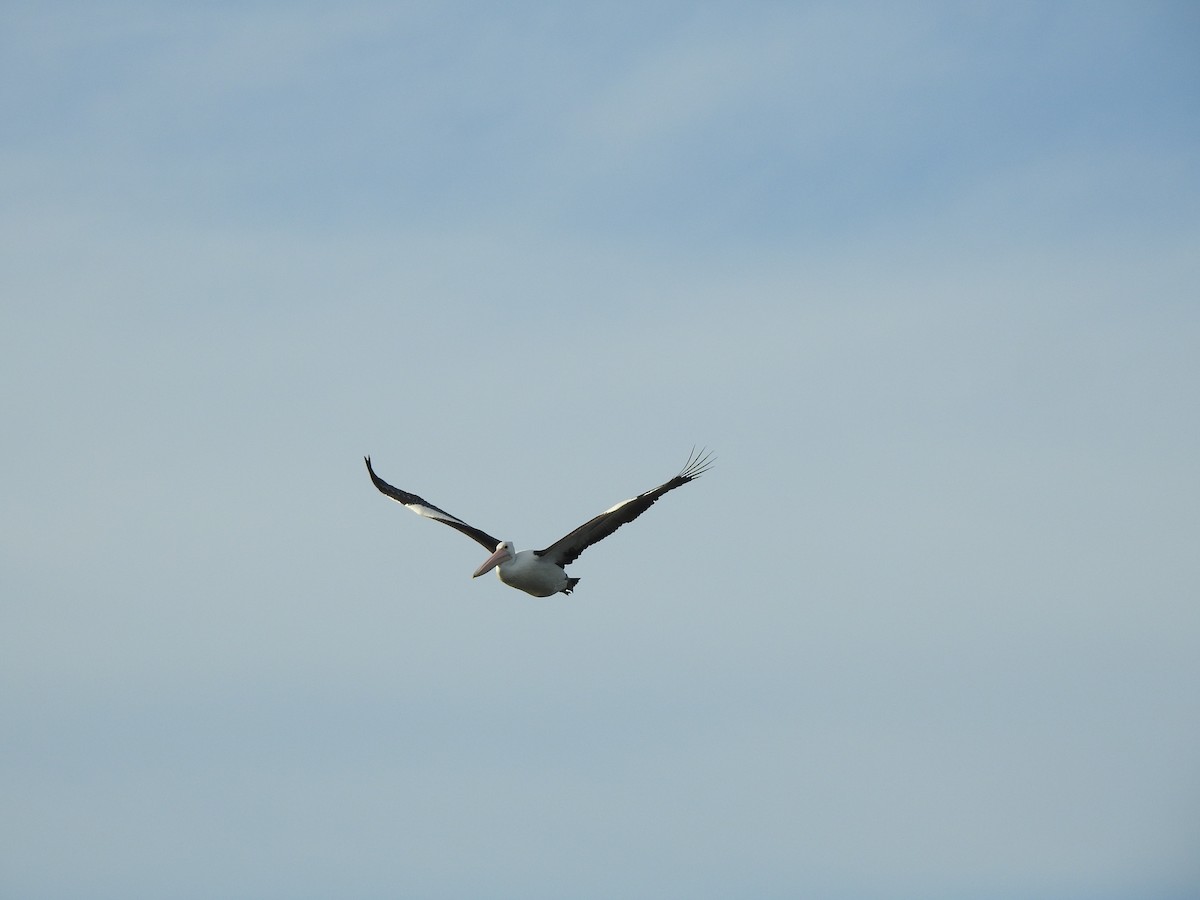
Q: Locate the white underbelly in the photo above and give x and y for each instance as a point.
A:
(530, 573)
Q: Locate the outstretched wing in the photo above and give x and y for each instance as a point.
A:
(567, 549)
(427, 509)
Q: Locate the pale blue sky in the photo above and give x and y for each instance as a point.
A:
(922, 275)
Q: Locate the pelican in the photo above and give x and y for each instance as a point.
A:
(541, 572)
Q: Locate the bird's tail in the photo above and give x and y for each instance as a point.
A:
(571, 582)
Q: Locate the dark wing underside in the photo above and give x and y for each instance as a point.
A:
(427, 509)
(567, 549)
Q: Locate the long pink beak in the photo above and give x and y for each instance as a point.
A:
(492, 561)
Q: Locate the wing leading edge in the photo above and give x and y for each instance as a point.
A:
(429, 511)
(567, 549)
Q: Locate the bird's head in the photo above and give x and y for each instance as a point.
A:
(504, 552)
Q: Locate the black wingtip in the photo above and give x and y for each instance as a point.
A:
(697, 464)
(375, 479)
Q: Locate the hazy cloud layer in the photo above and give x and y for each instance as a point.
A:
(923, 277)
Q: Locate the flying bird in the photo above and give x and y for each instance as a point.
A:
(541, 572)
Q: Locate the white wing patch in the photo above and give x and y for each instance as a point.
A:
(618, 506)
(430, 513)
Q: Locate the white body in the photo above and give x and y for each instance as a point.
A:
(526, 571)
